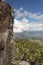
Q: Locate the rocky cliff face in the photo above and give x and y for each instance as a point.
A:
(6, 32)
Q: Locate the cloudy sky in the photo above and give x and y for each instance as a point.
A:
(28, 15)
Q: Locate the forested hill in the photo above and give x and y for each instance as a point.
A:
(29, 51)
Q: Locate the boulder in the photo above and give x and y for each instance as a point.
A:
(24, 63)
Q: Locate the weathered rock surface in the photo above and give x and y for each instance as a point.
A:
(6, 32)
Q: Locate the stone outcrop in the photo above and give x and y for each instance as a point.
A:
(6, 32)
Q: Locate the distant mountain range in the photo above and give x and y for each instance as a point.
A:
(29, 34)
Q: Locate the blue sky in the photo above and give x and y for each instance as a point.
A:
(28, 15)
(30, 5)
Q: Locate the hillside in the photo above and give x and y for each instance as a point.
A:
(29, 51)
(30, 34)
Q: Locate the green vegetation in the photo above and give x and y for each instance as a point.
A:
(29, 51)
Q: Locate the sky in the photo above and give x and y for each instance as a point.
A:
(28, 15)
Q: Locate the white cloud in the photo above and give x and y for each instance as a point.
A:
(22, 13)
(19, 13)
(21, 9)
(20, 26)
(2, 0)
(24, 25)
